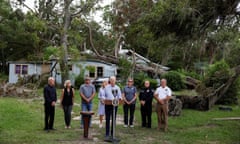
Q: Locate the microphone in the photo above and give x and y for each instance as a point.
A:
(115, 101)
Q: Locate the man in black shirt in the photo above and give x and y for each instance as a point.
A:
(146, 98)
(50, 98)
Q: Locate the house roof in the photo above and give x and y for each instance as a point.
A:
(27, 62)
(48, 62)
(142, 60)
(98, 61)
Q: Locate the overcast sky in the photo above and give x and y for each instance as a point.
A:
(97, 16)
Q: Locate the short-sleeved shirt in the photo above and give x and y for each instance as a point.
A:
(87, 90)
(108, 92)
(163, 92)
(130, 93)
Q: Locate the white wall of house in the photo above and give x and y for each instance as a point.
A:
(107, 70)
(30, 70)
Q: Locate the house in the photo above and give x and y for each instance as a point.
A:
(93, 68)
(26, 68)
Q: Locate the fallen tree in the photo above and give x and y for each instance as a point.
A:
(209, 96)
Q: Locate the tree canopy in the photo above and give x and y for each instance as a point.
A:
(186, 34)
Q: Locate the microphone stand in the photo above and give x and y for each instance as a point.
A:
(115, 103)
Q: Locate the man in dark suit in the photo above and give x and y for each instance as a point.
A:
(50, 98)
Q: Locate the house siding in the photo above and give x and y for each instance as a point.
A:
(77, 67)
(32, 69)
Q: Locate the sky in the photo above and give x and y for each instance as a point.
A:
(97, 16)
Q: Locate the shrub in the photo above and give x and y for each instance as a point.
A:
(217, 74)
(125, 68)
(174, 80)
(140, 78)
(153, 82)
(192, 74)
(79, 80)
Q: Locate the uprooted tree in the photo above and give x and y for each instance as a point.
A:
(208, 96)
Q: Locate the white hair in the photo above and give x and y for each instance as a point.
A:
(66, 82)
(51, 78)
(113, 78)
(164, 80)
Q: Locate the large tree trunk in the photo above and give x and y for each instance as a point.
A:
(64, 41)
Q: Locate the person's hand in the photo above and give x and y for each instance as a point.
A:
(53, 103)
(102, 101)
(165, 100)
(161, 102)
(89, 100)
(142, 103)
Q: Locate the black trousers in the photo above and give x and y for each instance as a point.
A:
(109, 116)
(49, 116)
(146, 113)
(67, 114)
(126, 109)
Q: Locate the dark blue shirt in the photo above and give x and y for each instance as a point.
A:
(129, 93)
(50, 94)
(146, 95)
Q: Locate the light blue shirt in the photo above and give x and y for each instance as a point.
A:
(101, 94)
(109, 94)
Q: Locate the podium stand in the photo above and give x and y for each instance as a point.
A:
(115, 102)
(86, 122)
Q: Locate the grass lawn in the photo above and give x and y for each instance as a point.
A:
(21, 122)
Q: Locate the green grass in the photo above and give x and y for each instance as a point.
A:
(21, 121)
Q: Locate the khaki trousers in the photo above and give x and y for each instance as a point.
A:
(162, 114)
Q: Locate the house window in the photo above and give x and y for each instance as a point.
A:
(92, 74)
(92, 71)
(21, 69)
(17, 69)
(99, 71)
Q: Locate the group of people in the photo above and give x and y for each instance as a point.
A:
(108, 92)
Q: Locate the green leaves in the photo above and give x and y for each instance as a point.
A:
(51, 51)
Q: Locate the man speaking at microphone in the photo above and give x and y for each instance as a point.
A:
(110, 88)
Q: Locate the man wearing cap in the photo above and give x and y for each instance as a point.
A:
(162, 95)
(87, 92)
(129, 95)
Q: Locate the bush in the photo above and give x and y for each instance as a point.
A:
(125, 69)
(192, 74)
(217, 74)
(79, 80)
(174, 80)
(140, 78)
